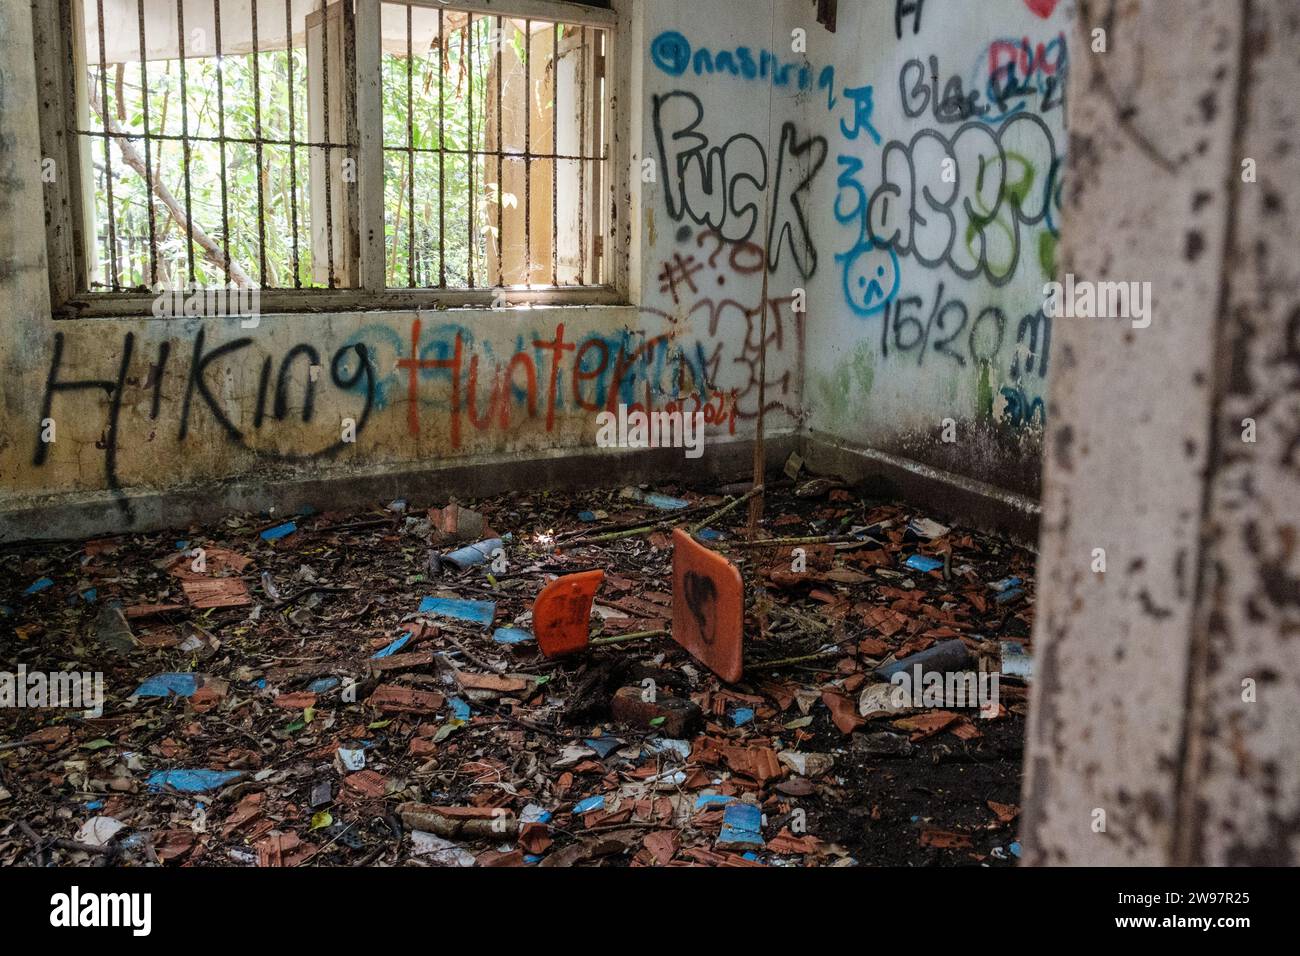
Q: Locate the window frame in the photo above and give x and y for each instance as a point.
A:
(57, 86)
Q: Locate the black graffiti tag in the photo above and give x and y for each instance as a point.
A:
(722, 187)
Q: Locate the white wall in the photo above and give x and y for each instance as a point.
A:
(945, 335)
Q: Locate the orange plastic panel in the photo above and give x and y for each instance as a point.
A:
(708, 607)
(562, 613)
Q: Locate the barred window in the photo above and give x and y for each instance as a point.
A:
(330, 152)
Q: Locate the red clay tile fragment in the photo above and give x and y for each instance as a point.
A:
(662, 845)
(392, 698)
(216, 592)
(300, 700)
(926, 725)
(708, 607)
(1006, 812)
(367, 783)
(495, 682)
(944, 839)
(138, 611)
(844, 712)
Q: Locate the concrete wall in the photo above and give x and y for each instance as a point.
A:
(1163, 720)
(752, 144)
(160, 404)
(937, 216)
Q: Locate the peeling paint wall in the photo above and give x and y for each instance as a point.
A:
(155, 404)
(768, 156)
(937, 217)
(1163, 721)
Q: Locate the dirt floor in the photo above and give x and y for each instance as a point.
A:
(331, 723)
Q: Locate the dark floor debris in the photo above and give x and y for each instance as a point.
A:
(368, 688)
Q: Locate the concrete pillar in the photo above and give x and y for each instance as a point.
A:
(1167, 701)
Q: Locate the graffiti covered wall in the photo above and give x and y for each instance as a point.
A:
(940, 218)
(110, 406)
(877, 205)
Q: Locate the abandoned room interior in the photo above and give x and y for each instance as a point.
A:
(744, 433)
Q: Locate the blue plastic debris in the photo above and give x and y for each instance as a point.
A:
(512, 635)
(473, 555)
(712, 800)
(591, 803)
(165, 685)
(323, 685)
(191, 781)
(95, 805)
(665, 502)
(279, 531)
(708, 534)
(1006, 584)
(742, 823)
(459, 709)
(89, 595)
(39, 585)
(604, 746)
(1015, 850)
(741, 716)
(1006, 597)
(392, 648)
(480, 612)
(587, 516)
(924, 563)
(182, 545)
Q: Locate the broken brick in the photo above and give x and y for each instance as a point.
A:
(670, 716)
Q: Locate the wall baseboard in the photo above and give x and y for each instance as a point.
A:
(951, 496)
(954, 497)
(76, 516)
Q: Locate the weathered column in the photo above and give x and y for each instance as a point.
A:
(1166, 716)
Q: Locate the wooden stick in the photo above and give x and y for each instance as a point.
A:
(787, 661)
(760, 452)
(782, 542)
(624, 638)
(726, 509)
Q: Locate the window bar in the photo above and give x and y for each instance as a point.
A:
(108, 152)
(555, 152)
(442, 154)
(528, 150)
(329, 139)
(221, 137)
(293, 152)
(148, 154)
(410, 149)
(582, 163)
(469, 158)
(501, 148)
(245, 140)
(257, 125)
(185, 140)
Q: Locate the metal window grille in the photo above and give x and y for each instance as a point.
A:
(219, 142)
(492, 180)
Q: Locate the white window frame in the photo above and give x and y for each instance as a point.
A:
(58, 88)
